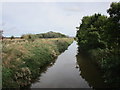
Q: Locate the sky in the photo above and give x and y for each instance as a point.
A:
(20, 18)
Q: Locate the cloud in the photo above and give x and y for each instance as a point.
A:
(35, 18)
(73, 9)
(0, 16)
(42, 17)
(59, 0)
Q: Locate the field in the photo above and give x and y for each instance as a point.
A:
(22, 59)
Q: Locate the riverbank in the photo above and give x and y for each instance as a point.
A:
(98, 36)
(22, 61)
(63, 73)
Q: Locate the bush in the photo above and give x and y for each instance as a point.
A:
(99, 35)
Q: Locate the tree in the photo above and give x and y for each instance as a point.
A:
(113, 25)
(12, 37)
(1, 34)
(99, 31)
(90, 33)
(51, 35)
(114, 11)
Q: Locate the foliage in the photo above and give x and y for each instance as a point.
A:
(113, 26)
(100, 37)
(23, 61)
(1, 32)
(12, 37)
(43, 35)
(29, 37)
(90, 33)
(51, 35)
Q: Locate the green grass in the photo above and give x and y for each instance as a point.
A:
(22, 61)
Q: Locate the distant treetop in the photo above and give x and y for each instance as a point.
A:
(50, 34)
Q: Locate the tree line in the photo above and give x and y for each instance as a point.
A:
(44, 35)
(99, 35)
(50, 34)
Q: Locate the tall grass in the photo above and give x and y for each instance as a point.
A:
(22, 61)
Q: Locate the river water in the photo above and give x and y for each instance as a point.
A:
(70, 70)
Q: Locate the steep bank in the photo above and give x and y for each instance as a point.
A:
(22, 61)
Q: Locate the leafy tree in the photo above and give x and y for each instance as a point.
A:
(90, 33)
(113, 25)
(12, 37)
(99, 31)
(1, 34)
(50, 34)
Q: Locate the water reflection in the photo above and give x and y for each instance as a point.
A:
(63, 74)
(70, 70)
(89, 71)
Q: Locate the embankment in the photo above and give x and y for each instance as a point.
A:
(22, 61)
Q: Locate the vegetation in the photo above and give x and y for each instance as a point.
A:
(43, 35)
(22, 61)
(1, 32)
(12, 37)
(99, 35)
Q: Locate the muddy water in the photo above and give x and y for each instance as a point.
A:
(70, 70)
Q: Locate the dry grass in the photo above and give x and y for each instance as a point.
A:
(19, 55)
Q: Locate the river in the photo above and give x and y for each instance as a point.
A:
(70, 70)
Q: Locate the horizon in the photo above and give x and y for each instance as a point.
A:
(35, 34)
(32, 18)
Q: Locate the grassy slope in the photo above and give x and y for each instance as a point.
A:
(22, 61)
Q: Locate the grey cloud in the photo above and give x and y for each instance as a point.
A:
(73, 9)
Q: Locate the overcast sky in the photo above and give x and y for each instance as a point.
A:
(37, 17)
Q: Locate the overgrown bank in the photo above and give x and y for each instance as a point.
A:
(99, 36)
(22, 61)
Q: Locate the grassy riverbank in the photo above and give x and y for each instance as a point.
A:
(23, 60)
